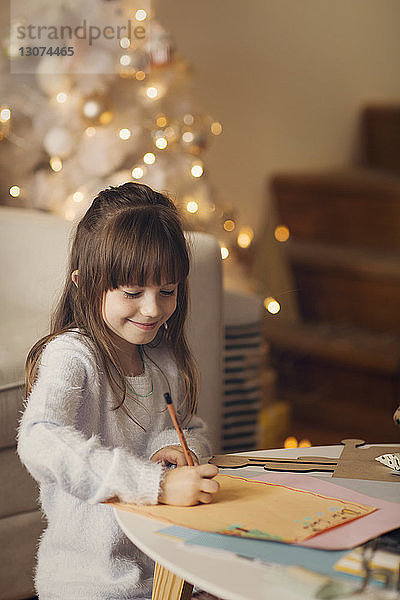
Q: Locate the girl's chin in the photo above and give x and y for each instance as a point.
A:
(138, 337)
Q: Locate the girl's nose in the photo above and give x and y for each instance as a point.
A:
(149, 306)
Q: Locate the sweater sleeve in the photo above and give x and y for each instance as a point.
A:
(55, 451)
(196, 435)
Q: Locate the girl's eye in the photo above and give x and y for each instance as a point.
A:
(132, 295)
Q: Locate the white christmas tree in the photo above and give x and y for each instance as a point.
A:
(86, 110)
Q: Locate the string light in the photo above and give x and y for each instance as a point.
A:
(281, 233)
(161, 121)
(161, 143)
(15, 191)
(290, 442)
(216, 128)
(224, 252)
(188, 119)
(90, 131)
(197, 170)
(56, 164)
(192, 207)
(5, 114)
(61, 97)
(106, 117)
(140, 75)
(152, 92)
(271, 305)
(125, 42)
(229, 225)
(137, 172)
(127, 73)
(245, 237)
(125, 134)
(140, 15)
(188, 137)
(91, 109)
(5, 121)
(149, 158)
(78, 197)
(304, 443)
(125, 60)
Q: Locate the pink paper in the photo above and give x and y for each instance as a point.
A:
(350, 534)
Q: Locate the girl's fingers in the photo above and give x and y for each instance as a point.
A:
(207, 470)
(186, 486)
(210, 486)
(205, 498)
(180, 460)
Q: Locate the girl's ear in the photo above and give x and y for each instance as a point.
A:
(75, 277)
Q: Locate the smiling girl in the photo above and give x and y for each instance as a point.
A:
(95, 425)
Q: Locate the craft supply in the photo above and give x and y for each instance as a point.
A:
(385, 490)
(381, 561)
(358, 463)
(390, 460)
(232, 461)
(299, 467)
(349, 535)
(260, 510)
(288, 559)
(353, 533)
(353, 463)
(174, 418)
(285, 554)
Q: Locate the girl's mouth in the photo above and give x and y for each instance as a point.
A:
(144, 326)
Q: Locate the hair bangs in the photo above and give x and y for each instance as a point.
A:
(146, 251)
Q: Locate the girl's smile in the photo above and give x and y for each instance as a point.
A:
(144, 326)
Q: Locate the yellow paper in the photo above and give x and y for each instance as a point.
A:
(258, 509)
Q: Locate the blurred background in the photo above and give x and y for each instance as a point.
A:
(275, 125)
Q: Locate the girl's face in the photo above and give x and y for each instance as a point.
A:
(136, 313)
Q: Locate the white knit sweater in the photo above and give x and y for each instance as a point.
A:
(81, 452)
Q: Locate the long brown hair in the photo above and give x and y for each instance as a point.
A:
(129, 234)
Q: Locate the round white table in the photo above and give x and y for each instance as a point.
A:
(218, 572)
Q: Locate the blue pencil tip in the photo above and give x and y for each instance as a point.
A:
(167, 398)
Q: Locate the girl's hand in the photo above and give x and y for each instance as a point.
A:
(172, 455)
(186, 486)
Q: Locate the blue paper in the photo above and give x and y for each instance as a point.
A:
(321, 561)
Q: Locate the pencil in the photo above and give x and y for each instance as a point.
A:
(174, 418)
